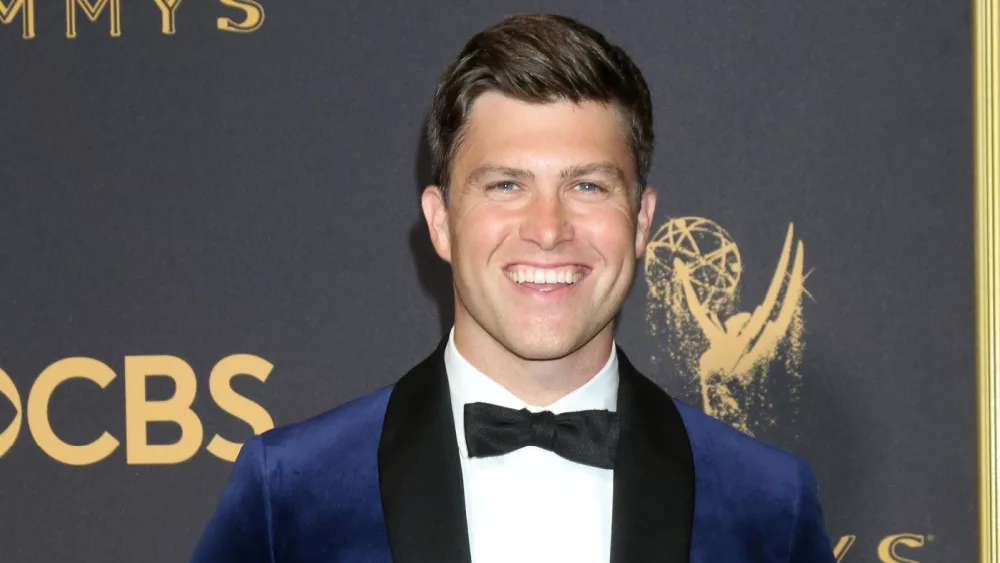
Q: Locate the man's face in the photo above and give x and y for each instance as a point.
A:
(541, 227)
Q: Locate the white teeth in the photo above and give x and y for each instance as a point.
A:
(562, 276)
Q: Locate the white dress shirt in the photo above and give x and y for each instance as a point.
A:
(531, 505)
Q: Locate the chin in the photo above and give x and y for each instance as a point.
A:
(543, 347)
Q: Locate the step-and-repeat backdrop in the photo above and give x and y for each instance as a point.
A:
(209, 225)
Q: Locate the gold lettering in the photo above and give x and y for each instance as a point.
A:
(38, 411)
(220, 384)
(139, 411)
(8, 390)
(887, 548)
(9, 12)
(93, 11)
(254, 16)
(843, 546)
(168, 8)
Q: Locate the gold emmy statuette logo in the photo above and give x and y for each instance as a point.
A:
(693, 270)
(8, 390)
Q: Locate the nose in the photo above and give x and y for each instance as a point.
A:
(546, 222)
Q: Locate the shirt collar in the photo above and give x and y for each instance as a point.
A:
(469, 385)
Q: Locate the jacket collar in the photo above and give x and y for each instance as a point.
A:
(420, 474)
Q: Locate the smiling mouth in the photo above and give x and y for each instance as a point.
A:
(546, 279)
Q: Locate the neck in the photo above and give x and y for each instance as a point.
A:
(536, 382)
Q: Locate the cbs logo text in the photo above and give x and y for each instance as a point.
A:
(139, 411)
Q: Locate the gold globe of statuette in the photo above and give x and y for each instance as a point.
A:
(709, 252)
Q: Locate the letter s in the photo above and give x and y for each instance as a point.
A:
(220, 384)
(887, 548)
(254, 16)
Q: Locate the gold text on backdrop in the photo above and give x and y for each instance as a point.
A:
(140, 411)
(253, 15)
(887, 548)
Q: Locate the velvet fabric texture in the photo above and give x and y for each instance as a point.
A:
(313, 492)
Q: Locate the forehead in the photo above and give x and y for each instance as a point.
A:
(509, 132)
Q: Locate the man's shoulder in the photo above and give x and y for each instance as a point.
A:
(357, 423)
(717, 445)
(311, 483)
(769, 493)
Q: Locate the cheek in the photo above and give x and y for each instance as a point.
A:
(613, 235)
(478, 235)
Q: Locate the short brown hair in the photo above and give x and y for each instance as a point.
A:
(540, 59)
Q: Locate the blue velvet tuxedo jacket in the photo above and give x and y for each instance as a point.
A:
(379, 480)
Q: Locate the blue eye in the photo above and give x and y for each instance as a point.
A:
(504, 187)
(589, 187)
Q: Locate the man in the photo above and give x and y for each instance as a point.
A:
(527, 435)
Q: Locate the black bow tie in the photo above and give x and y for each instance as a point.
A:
(587, 437)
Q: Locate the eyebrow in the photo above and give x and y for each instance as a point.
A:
(594, 168)
(574, 171)
(485, 170)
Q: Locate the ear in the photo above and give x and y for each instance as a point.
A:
(647, 205)
(436, 214)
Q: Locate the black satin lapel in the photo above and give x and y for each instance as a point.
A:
(653, 507)
(420, 474)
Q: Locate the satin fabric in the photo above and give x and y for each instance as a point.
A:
(586, 437)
